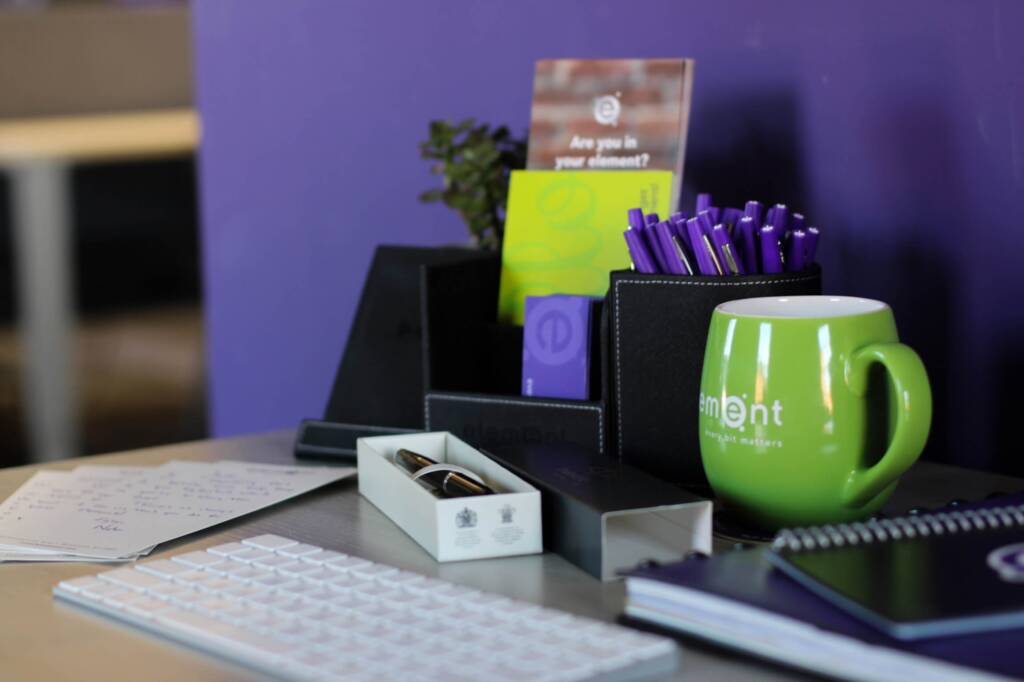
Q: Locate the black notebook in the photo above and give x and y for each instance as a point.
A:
(930, 575)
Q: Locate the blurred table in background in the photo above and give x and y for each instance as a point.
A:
(37, 154)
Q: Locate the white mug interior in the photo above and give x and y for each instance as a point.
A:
(801, 306)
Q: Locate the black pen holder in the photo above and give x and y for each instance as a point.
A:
(658, 332)
(473, 368)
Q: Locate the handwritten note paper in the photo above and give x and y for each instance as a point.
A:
(120, 513)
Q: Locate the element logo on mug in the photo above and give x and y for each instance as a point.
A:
(734, 411)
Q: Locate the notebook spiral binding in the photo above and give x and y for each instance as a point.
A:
(888, 530)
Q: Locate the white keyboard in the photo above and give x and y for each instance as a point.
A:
(296, 611)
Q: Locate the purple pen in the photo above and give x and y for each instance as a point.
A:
(716, 213)
(654, 247)
(638, 253)
(796, 251)
(731, 216)
(726, 252)
(811, 244)
(635, 218)
(703, 202)
(745, 238)
(771, 256)
(778, 216)
(684, 258)
(679, 217)
(680, 229)
(705, 222)
(665, 233)
(755, 210)
(702, 251)
(796, 222)
(651, 218)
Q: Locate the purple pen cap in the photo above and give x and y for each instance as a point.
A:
(679, 217)
(755, 210)
(638, 252)
(796, 251)
(703, 202)
(811, 244)
(731, 216)
(665, 231)
(680, 228)
(652, 218)
(635, 218)
(654, 247)
(797, 222)
(705, 266)
(726, 252)
(771, 255)
(745, 237)
(778, 215)
(705, 222)
(716, 213)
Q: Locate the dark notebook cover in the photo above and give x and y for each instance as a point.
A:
(960, 577)
(746, 577)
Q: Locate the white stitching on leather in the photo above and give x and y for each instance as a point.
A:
(520, 403)
(680, 282)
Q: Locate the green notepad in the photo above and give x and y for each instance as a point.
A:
(563, 231)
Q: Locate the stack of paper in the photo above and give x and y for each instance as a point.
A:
(108, 513)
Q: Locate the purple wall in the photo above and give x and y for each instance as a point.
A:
(898, 126)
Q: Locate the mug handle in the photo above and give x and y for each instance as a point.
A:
(913, 420)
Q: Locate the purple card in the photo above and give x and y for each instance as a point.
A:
(556, 346)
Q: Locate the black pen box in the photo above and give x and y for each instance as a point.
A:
(473, 368)
(507, 523)
(659, 328)
(606, 516)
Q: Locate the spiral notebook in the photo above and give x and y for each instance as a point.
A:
(929, 575)
(739, 599)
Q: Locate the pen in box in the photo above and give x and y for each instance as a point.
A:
(811, 244)
(674, 265)
(651, 218)
(745, 237)
(796, 222)
(796, 251)
(755, 211)
(638, 253)
(730, 217)
(705, 223)
(635, 218)
(771, 256)
(778, 216)
(654, 247)
(684, 258)
(703, 202)
(705, 266)
(725, 250)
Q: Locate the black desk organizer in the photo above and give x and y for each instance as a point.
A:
(659, 328)
(473, 368)
(378, 387)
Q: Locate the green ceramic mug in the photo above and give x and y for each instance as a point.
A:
(810, 408)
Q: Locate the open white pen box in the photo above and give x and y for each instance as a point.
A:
(507, 523)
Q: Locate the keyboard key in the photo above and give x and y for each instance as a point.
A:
(252, 554)
(75, 585)
(164, 568)
(298, 550)
(167, 590)
(323, 556)
(346, 564)
(297, 568)
(146, 607)
(198, 559)
(228, 549)
(373, 571)
(274, 561)
(131, 579)
(269, 542)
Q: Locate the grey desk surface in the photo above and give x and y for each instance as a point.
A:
(41, 639)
